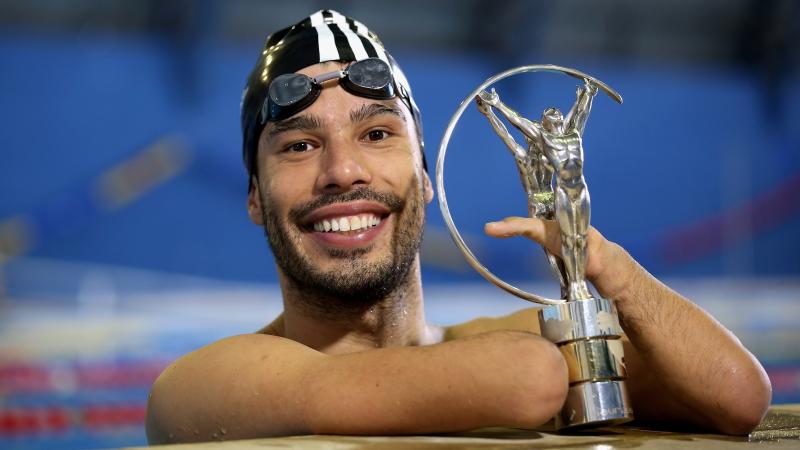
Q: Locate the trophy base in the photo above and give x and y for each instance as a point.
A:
(587, 333)
(595, 404)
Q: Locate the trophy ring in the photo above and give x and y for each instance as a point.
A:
(459, 241)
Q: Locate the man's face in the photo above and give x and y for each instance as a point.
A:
(341, 193)
(553, 121)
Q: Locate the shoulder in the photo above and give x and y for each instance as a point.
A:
(196, 391)
(226, 354)
(523, 320)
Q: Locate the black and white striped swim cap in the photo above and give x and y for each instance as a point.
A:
(324, 36)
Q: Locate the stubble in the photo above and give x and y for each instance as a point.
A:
(357, 282)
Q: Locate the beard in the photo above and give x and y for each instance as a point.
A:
(355, 283)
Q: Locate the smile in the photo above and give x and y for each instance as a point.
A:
(347, 223)
(354, 224)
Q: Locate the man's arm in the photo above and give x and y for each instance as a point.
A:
(683, 366)
(579, 113)
(253, 386)
(525, 126)
(501, 130)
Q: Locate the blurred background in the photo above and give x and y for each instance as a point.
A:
(124, 241)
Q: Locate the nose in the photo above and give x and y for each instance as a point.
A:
(342, 168)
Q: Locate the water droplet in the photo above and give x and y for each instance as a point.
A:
(223, 430)
(171, 435)
(214, 435)
(196, 432)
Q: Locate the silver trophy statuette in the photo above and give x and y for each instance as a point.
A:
(550, 163)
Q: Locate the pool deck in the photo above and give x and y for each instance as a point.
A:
(780, 429)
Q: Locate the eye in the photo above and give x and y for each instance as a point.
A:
(377, 135)
(298, 147)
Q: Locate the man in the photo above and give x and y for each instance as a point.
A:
(535, 170)
(559, 141)
(337, 178)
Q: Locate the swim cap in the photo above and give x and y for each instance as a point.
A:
(324, 36)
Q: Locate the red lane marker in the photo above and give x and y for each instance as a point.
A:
(107, 416)
(33, 421)
(784, 379)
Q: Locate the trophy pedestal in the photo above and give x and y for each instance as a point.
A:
(595, 404)
(587, 332)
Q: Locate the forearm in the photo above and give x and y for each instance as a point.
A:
(253, 386)
(502, 131)
(685, 363)
(512, 116)
(579, 113)
(497, 378)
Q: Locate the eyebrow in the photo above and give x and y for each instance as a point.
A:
(374, 109)
(304, 122)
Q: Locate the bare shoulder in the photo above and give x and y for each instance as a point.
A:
(523, 320)
(207, 392)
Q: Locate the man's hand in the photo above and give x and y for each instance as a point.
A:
(487, 98)
(592, 88)
(607, 265)
(684, 367)
(483, 107)
(588, 86)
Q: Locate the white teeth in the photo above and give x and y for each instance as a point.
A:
(348, 223)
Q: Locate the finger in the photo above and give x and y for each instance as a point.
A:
(544, 232)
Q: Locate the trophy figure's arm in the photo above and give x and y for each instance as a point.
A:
(499, 127)
(531, 130)
(535, 172)
(579, 113)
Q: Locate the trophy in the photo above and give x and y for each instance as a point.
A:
(585, 328)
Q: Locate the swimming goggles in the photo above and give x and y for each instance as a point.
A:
(291, 93)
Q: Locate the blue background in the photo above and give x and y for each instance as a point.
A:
(697, 175)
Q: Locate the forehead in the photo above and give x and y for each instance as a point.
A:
(323, 67)
(552, 114)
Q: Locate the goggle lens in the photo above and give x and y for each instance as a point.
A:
(370, 74)
(288, 89)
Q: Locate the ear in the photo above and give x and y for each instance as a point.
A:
(254, 208)
(427, 187)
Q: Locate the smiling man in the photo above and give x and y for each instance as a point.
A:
(333, 147)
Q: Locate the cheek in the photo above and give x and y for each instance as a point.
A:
(288, 187)
(395, 167)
